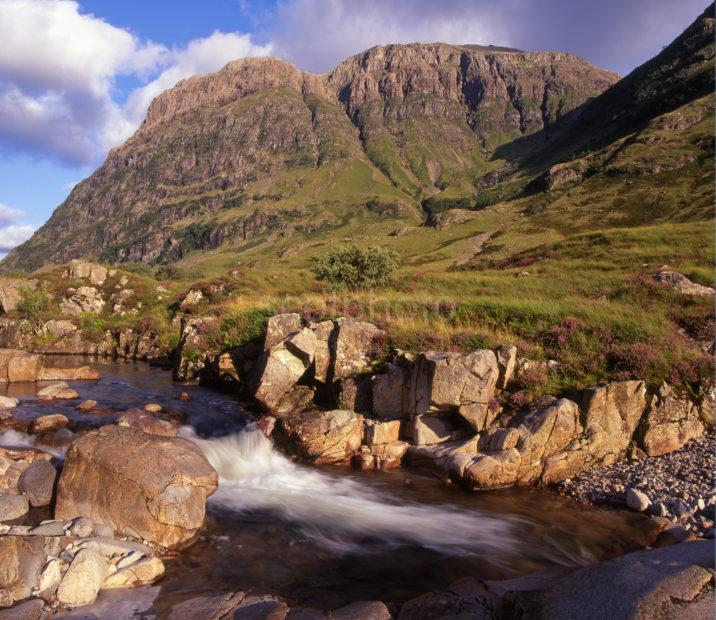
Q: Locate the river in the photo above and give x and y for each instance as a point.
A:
(326, 536)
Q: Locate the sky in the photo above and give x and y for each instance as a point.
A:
(76, 77)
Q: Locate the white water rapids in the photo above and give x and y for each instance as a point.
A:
(336, 511)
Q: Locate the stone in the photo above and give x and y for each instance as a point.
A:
(303, 345)
(81, 527)
(325, 346)
(49, 422)
(85, 300)
(376, 432)
(27, 610)
(681, 284)
(83, 579)
(87, 405)
(148, 423)
(17, 366)
(357, 344)
(145, 571)
(191, 299)
(153, 407)
(83, 373)
(362, 610)
(11, 293)
(5, 598)
(57, 390)
(21, 561)
(53, 440)
(325, 436)
(261, 608)
(192, 348)
(210, 607)
(504, 439)
(669, 423)
(79, 269)
(141, 485)
(506, 364)
(356, 394)
(50, 578)
(446, 381)
(279, 327)
(13, 507)
(280, 370)
(387, 393)
(637, 500)
(8, 403)
(37, 483)
(670, 582)
(430, 429)
(381, 456)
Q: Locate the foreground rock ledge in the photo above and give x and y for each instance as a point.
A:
(145, 486)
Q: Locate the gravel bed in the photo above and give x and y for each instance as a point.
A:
(678, 486)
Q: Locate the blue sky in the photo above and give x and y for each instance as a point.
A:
(76, 76)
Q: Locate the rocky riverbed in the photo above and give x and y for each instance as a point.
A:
(678, 486)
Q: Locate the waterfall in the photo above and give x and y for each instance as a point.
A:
(337, 511)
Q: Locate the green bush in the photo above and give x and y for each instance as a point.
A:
(351, 267)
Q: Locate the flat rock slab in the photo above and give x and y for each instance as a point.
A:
(671, 582)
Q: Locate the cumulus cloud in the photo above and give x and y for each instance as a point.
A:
(12, 233)
(58, 70)
(317, 34)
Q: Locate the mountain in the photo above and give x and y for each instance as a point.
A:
(261, 147)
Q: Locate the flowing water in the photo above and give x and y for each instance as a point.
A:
(323, 537)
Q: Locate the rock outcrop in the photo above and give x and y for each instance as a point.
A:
(325, 436)
(141, 485)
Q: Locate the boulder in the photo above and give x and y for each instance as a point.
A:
(49, 422)
(506, 364)
(681, 284)
(279, 370)
(357, 344)
(16, 366)
(21, 561)
(381, 456)
(141, 485)
(85, 300)
(57, 390)
(83, 579)
(11, 292)
(147, 423)
(87, 405)
(671, 582)
(325, 346)
(430, 429)
(84, 373)
(193, 346)
(13, 507)
(8, 403)
(442, 382)
(279, 327)
(152, 407)
(362, 610)
(37, 483)
(79, 269)
(13, 461)
(377, 432)
(387, 393)
(139, 573)
(669, 423)
(191, 299)
(325, 436)
(356, 393)
(637, 500)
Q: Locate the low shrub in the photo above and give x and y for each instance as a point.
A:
(352, 267)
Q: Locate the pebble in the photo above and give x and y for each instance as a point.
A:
(679, 485)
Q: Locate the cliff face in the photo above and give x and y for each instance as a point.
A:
(223, 157)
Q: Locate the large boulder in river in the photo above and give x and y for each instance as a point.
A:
(325, 436)
(670, 423)
(141, 485)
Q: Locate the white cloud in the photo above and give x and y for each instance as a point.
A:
(318, 34)
(200, 56)
(13, 235)
(58, 68)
